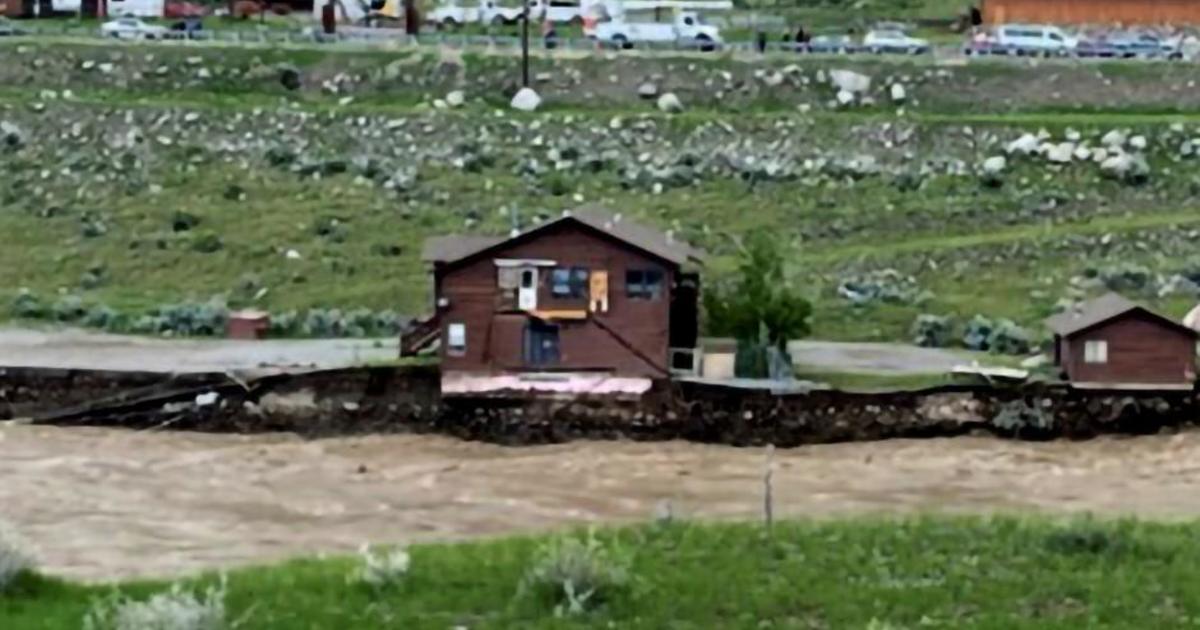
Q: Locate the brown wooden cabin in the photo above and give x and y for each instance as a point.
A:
(1110, 342)
(1126, 12)
(589, 292)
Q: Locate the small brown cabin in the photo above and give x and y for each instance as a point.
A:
(1128, 12)
(589, 292)
(1110, 342)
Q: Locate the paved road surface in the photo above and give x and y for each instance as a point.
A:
(71, 348)
(884, 358)
(88, 350)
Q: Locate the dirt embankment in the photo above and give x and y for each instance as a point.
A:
(598, 79)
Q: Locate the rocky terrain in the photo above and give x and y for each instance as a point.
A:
(153, 188)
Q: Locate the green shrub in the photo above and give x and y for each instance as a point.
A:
(577, 573)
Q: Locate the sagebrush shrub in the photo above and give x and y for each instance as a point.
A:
(15, 555)
(577, 573)
(174, 609)
(382, 568)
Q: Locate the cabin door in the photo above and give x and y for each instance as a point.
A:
(541, 344)
(527, 290)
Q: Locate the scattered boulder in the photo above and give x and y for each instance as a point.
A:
(648, 90)
(845, 97)
(899, 94)
(11, 136)
(1126, 167)
(850, 81)
(1025, 145)
(1060, 153)
(670, 103)
(1113, 138)
(456, 98)
(526, 100)
(994, 165)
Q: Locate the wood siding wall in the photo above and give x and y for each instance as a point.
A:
(1140, 350)
(1091, 11)
(495, 339)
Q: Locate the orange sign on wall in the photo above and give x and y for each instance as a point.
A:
(598, 291)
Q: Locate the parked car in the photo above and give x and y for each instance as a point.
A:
(894, 41)
(984, 43)
(187, 28)
(1097, 48)
(452, 15)
(688, 28)
(832, 44)
(132, 28)
(1143, 45)
(1034, 39)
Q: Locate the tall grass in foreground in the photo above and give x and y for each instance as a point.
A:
(862, 573)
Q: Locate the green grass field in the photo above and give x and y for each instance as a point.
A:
(96, 208)
(868, 573)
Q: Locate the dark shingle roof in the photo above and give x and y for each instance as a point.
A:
(449, 249)
(456, 247)
(1092, 312)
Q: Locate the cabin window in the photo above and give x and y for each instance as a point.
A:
(643, 284)
(569, 282)
(456, 339)
(1095, 352)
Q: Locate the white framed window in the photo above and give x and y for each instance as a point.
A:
(456, 338)
(1095, 351)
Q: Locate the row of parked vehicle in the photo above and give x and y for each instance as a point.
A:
(1049, 41)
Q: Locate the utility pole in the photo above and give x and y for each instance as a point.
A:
(525, 46)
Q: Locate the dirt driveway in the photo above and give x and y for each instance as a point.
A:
(104, 503)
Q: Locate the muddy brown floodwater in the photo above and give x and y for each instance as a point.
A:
(103, 503)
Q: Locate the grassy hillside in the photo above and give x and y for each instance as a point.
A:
(940, 572)
(141, 176)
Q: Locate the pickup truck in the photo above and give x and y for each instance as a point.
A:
(557, 11)
(452, 15)
(688, 29)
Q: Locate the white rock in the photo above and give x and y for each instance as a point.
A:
(845, 97)
(670, 103)
(526, 100)
(850, 81)
(1100, 154)
(292, 254)
(1060, 153)
(1073, 135)
(207, 398)
(1082, 154)
(899, 94)
(773, 79)
(1113, 138)
(1026, 144)
(1138, 142)
(1117, 164)
(456, 98)
(994, 165)
(648, 90)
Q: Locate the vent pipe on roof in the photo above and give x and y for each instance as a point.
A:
(515, 219)
(671, 236)
(617, 218)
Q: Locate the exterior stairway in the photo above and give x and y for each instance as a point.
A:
(420, 336)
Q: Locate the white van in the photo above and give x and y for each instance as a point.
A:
(1034, 39)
